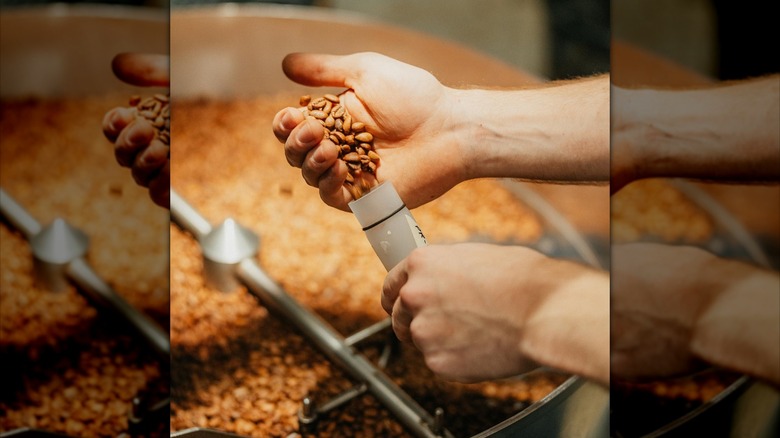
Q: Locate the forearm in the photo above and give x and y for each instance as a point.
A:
(569, 330)
(726, 133)
(740, 329)
(558, 132)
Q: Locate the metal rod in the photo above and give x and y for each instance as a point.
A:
(97, 290)
(331, 343)
(18, 216)
(342, 398)
(103, 295)
(369, 331)
(405, 409)
(186, 216)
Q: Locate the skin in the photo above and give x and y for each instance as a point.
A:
(725, 133)
(530, 309)
(417, 120)
(134, 144)
(668, 322)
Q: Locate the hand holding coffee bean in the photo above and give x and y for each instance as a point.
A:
(355, 144)
(404, 109)
(141, 131)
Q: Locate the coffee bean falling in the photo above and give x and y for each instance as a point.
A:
(356, 145)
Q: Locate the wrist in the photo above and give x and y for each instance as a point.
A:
(739, 328)
(469, 132)
(569, 328)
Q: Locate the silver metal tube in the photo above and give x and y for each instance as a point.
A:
(369, 331)
(187, 218)
(88, 281)
(405, 409)
(18, 216)
(103, 295)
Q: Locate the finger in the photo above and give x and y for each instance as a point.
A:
(395, 279)
(160, 186)
(332, 189)
(136, 136)
(116, 120)
(142, 69)
(401, 319)
(149, 161)
(314, 69)
(318, 161)
(285, 121)
(302, 139)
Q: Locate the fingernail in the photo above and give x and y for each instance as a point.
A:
(319, 156)
(288, 121)
(306, 135)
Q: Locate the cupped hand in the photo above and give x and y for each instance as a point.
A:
(404, 107)
(135, 145)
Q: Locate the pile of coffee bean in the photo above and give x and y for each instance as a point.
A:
(68, 367)
(157, 111)
(356, 145)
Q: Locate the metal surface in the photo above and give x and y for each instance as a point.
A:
(369, 331)
(330, 342)
(53, 248)
(729, 225)
(223, 247)
(90, 284)
(17, 216)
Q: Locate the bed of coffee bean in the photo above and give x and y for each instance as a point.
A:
(235, 366)
(654, 208)
(66, 367)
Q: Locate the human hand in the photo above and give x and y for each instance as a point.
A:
(404, 107)
(654, 308)
(676, 308)
(135, 145)
(479, 311)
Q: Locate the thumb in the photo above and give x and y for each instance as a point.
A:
(141, 69)
(316, 70)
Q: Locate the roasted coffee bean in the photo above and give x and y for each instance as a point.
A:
(330, 122)
(352, 157)
(156, 110)
(364, 137)
(318, 114)
(338, 127)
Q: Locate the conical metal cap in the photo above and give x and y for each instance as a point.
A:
(229, 243)
(59, 243)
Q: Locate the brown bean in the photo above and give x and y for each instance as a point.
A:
(332, 97)
(329, 122)
(364, 137)
(352, 157)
